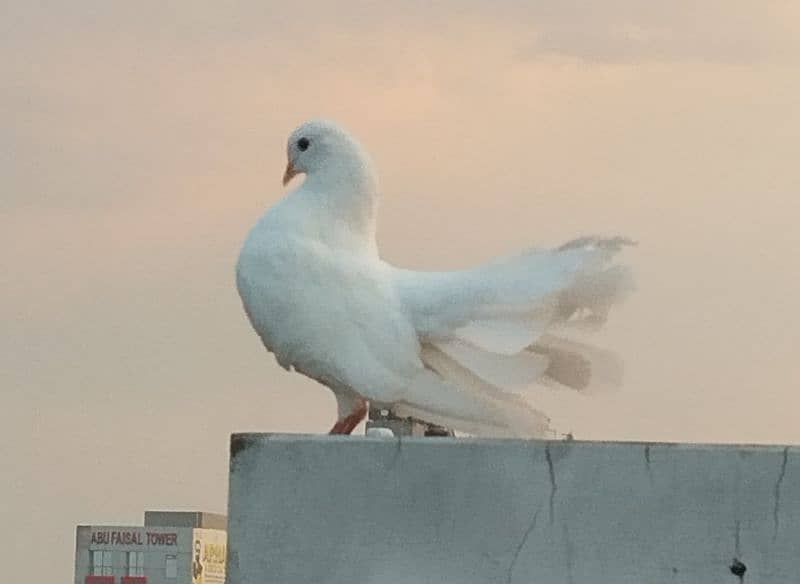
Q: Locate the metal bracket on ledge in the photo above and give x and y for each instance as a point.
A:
(383, 422)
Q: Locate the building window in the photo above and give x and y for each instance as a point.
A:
(135, 563)
(102, 563)
(171, 567)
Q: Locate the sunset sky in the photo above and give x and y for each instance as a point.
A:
(140, 141)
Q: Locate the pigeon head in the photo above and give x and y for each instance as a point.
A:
(321, 149)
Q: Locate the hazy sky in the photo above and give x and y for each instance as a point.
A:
(139, 142)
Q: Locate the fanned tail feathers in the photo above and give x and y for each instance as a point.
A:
(451, 394)
(475, 373)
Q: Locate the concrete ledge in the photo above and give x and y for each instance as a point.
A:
(329, 509)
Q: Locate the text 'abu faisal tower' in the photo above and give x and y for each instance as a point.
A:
(172, 547)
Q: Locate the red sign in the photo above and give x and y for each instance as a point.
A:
(134, 538)
(99, 580)
(134, 580)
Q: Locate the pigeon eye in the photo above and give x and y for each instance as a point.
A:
(303, 144)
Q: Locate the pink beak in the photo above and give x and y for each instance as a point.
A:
(290, 172)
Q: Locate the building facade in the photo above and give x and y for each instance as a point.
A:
(172, 547)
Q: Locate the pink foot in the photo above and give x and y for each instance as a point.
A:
(347, 425)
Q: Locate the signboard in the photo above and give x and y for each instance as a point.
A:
(133, 538)
(209, 553)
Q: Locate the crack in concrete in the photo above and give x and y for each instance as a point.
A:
(647, 463)
(553, 485)
(776, 509)
(398, 452)
(570, 553)
(737, 568)
(523, 541)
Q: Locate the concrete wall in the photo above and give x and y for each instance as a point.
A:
(313, 509)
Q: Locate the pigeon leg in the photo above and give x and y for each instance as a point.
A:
(347, 424)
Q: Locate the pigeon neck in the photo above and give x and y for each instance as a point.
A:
(345, 180)
(352, 191)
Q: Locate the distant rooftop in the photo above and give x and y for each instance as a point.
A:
(200, 519)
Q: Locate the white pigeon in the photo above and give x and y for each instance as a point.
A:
(451, 348)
